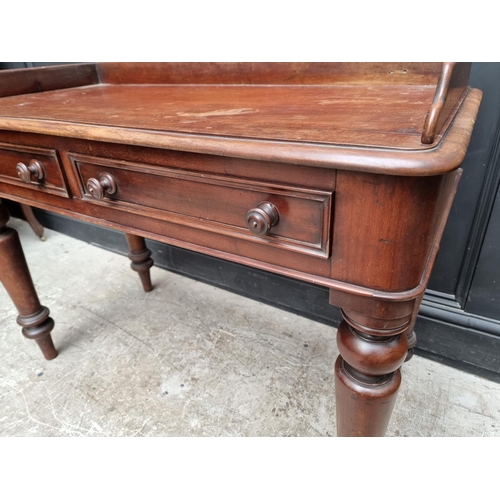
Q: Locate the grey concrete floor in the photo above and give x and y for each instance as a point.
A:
(189, 359)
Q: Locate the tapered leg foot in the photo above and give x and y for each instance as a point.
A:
(367, 375)
(140, 256)
(38, 327)
(364, 407)
(32, 221)
(15, 276)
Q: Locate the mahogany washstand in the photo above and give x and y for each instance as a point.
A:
(339, 174)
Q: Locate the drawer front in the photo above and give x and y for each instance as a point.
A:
(220, 204)
(39, 167)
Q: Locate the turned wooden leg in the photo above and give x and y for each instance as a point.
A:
(367, 374)
(14, 274)
(32, 220)
(140, 256)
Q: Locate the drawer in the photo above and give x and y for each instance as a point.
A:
(38, 167)
(279, 215)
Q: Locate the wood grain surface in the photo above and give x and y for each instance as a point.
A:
(441, 157)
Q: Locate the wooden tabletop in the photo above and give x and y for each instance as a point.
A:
(389, 116)
(405, 119)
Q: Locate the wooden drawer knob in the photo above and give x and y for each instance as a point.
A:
(97, 188)
(260, 220)
(34, 169)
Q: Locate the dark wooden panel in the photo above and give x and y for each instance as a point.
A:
(392, 243)
(215, 203)
(11, 155)
(33, 80)
(271, 73)
(248, 252)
